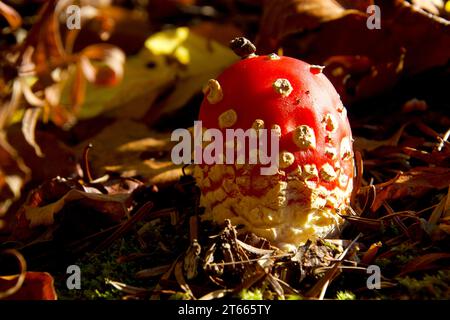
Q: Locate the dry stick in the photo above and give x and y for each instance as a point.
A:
(360, 171)
(319, 289)
(155, 214)
(386, 183)
(164, 277)
(249, 260)
(397, 219)
(85, 167)
(84, 242)
(444, 140)
(21, 278)
(125, 226)
(193, 228)
(374, 190)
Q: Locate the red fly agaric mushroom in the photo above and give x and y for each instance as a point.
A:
(314, 179)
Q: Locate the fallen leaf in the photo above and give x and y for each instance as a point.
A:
(13, 175)
(152, 272)
(53, 150)
(170, 60)
(110, 72)
(413, 183)
(37, 286)
(217, 294)
(29, 121)
(223, 33)
(11, 15)
(130, 149)
(363, 144)
(143, 80)
(425, 262)
(190, 51)
(282, 18)
(122, 27)
(178, 272)
(63, 209)
(316, 31)
(370, 254)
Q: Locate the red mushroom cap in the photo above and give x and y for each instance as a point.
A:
(316, 157)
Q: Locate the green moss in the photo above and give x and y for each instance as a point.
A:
(97, 268)
(255, 294)
(429, 287)
(345, 295)
(293, 297)
(180, 296)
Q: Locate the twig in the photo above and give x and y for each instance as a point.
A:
(125, 227)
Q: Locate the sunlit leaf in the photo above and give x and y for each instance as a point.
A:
(170, 59)
(29, 121)
(130, 149)
(110, 71)
(11, 15)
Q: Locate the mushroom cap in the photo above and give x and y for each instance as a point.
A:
(315, 143)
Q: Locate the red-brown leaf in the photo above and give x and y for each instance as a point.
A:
(11, 15)
(37, 286)
(413, 183)
(425, 262)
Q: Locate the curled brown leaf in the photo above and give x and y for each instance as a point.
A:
(110, 71)
(12, 16)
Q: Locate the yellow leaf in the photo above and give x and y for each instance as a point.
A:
(131, 149)
(175, 58)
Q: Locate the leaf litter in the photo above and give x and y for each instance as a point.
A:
(122, 206)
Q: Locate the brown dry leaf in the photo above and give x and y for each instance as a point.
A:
(111, 207)
(410, 40)
(152, 272)
(217, 294)
(55, 152)
(132, 150)
(29, 121)
(45, 216)
(11, 15)
(68, 209)
(45, 41)
(363, 144)
(13, 175)
(36, 286)
(178, 271)
(371, 253)
(110, 72)
(223, 33)
(282, 18)
(425, 262)
(124, 28)
(412, 183)
(42, 60)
